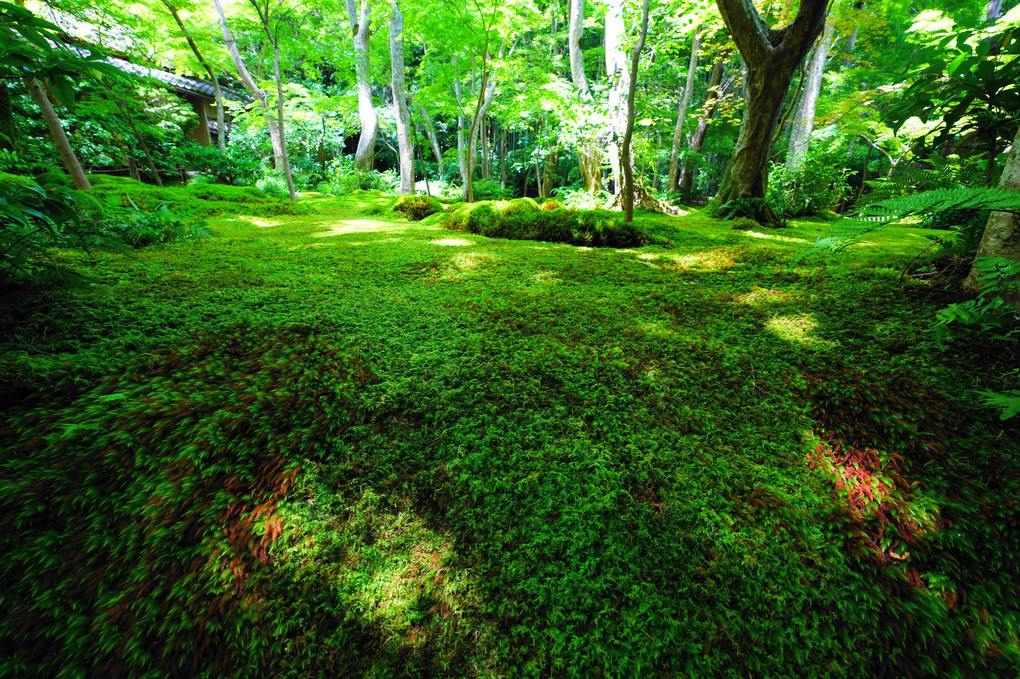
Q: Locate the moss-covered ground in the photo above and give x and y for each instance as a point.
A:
(344, 444)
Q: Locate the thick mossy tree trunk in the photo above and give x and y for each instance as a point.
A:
(406, 150)
(361, 24)
(772, 57)
(60, 140)
(1001, 237)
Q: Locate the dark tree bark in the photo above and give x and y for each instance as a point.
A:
(716, 90)
(772, 57)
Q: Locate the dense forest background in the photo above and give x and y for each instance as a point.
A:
(546, 338)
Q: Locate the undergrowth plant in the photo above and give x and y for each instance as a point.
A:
(137, 513)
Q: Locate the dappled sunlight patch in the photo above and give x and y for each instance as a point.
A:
(760, 296)
(263, 223)
(464, 265)
(797, 328)
(772, 236)
(348, 226)
(379, 563)
(655, 329)
(711, 260)
(451, 241)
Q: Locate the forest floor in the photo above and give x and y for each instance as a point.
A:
(344, 444)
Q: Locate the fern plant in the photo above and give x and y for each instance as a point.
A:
(998, 278)
(874, 216)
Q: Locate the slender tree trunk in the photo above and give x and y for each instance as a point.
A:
(772, 57)
(551, 164)
(576, 22)
(1001, 237)
(400, 100)
(715, 92)
(279, 120)
(681, 115)
(430, 132)
(502, 158)
(57, 133)
(274, 41)
(221, 131)
(249, 83)
(804, 119)
(138, 137)
(628, 134)
(461, 141)
(617, 74)
(361, 30)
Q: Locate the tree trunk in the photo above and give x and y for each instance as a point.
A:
(502, 157)
(804, 120)
(249, 83)
(576, 22)
(274, 41)
(279, 118)
(715, 92)
(35, 88)
(430, 132)
(1001, 237)
(628, 134)
(552, 160)
(681, 115)
(617, 74)
(221, 132)
(772, 57)
(400, 100)
(362, 33)
(461, 141)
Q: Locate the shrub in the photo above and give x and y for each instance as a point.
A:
(343, 179)
(417, 207)
(812, 189)
(486, 189)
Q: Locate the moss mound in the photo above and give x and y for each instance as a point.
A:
(524, 219)
(417, 207)
(196, 201)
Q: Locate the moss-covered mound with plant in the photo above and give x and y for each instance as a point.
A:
(524, 219)
(195, 201)
(344, 444)
(417, 207)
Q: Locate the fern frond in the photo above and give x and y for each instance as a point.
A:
(874, 216)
